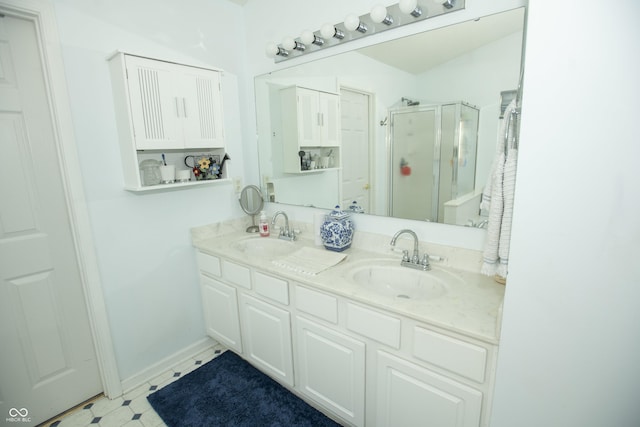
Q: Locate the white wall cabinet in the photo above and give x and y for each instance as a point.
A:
(310, 123)
(266, 333)
(164, 107)
(331, 369)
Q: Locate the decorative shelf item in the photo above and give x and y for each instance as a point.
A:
(337, 230)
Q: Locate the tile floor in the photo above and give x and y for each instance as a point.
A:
(132, 409)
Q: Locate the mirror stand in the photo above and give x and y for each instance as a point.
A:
(251, 202)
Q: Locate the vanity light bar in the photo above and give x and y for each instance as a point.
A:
(353, 28)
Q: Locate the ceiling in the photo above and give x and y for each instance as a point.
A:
(420, 52)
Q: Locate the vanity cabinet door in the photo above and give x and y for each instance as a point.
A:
(411, 395)
(266, 331)
(220, 303)
(331, 370)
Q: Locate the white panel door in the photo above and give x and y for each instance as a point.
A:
(331, 370)
(221, 316)
(47, 357)
(410, 395)
(266, 331)
(355, 149)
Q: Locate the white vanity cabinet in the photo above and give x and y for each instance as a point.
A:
(220, 304)
(411, 395)
(164, 107)
(310, 123)
(331, 369)
(364, 365)
(266, 334)
(246, 311)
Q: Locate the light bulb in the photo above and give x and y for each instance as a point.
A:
(379, 14)
(410, 7)
(271, 49)
(328, 30)
(288, 43)
(352, 23)
(308, 37)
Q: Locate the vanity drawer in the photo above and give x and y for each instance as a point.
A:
(374, 325)
(236, 274)
(271, 287)
(209, 264)
(457, 356)
(317, 304)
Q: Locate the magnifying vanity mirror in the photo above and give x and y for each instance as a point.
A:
(251, 202)
(411, 119)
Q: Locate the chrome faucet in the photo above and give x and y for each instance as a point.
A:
(285, 233)
(414, 261)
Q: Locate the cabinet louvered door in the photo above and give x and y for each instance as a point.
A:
(202, 112)
(155, 104)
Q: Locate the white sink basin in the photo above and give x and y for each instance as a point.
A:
(400, 282)
(264, 246)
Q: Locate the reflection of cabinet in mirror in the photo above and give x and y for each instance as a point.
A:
(164, 107)
(310, 124)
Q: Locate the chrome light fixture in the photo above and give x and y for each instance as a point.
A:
(272, 50)
(379, 19)
(410, 7)
(290, 44)
(379, 15)
(307, 37)
(353, 23)
(328, 31)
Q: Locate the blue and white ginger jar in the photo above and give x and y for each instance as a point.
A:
(337, 230)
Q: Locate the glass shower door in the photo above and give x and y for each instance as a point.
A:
(413, 136)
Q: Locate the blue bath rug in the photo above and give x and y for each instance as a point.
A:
(227, 392)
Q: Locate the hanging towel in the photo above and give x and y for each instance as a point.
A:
(497, 198)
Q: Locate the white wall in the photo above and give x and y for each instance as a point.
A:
(143, 245)
(570, 346)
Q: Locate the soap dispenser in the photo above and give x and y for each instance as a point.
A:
(263, 225)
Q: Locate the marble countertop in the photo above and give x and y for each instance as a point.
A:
(470, 306)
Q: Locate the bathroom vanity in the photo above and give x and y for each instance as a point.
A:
(367, 342)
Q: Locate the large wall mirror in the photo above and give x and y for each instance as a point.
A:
(406, 128)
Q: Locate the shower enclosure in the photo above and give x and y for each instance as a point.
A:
(433, 158)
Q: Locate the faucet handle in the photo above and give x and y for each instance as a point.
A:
(405, 256)
(425, 260)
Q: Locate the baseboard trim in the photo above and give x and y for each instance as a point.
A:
(167, 363)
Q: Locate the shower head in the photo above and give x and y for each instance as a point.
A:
(409, 102)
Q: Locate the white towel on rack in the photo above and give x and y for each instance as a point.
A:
(497, 198)
(508, 190)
